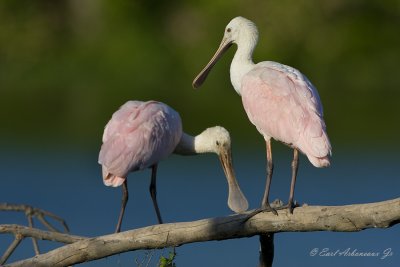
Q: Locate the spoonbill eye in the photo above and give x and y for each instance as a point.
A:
(229, 30)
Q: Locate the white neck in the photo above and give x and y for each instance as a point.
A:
(189, 145)
(242, 62)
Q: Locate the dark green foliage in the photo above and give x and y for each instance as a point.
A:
(65, 66)
(167, 262)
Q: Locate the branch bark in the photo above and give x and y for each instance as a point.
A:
(23, 231)
(349, 218)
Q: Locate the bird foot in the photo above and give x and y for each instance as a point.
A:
(276, 205)
(290, 206)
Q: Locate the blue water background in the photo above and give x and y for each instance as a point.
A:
(67, 181)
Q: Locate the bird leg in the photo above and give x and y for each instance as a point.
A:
(270, 169)
(153, 192)
(295, 167)
(125, 197)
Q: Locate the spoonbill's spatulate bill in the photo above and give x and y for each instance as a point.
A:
(279, 100)
(141, 134)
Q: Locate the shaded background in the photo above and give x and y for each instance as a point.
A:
(66, 66)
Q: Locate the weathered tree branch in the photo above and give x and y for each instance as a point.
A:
(11, 248)
(19, 233)
(35, 212)
(23, 231)
(348, 218)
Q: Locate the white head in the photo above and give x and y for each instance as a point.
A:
(217, 140)
(240, 31)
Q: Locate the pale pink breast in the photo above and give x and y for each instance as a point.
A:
(283, 107)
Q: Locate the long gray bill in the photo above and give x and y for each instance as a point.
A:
(199, 80)
(236, 200)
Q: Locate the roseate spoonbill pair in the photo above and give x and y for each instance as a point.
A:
(279, 100)
(141, 134)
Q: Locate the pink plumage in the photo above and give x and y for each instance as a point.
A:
(279, 100)
(283, 104)
(139, 135)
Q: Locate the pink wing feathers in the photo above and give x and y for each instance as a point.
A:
(290, 107)
(138, 135)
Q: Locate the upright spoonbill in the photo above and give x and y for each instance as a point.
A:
(279, 100)
(141, 134)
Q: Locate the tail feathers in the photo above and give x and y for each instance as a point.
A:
(317, 147)
(319, 162)
(112, 180)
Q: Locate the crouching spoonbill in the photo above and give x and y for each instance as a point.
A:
(141, 134)
(279, 100)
